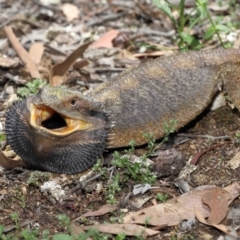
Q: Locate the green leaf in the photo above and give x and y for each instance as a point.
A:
(186, 37)
(202, 8)
(209, 33)
(1, 230)
(2, 137)
(120, 236)
(164, 6)
(62, 236)
(223, 28)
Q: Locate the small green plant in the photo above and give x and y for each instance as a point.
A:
(31, 88)
(38, 177)
(113, 187)
(93, 234)
(238, 135)
(147, 221)
(151, 142)
(138, 171)
(1, 230)
(2, 137)
(45, 235)
(187, 22)
(121, 236)
(162, 197)
(64, 220)
(169, 128)
(14, 217)
(30, 234)
(98, 167)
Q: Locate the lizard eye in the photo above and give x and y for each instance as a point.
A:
(73, 102)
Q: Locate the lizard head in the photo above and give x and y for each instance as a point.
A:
(58, 130)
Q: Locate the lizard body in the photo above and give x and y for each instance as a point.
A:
(138, 101)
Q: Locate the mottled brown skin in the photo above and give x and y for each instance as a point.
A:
(138, 101)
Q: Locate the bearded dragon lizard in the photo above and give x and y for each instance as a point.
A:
(64, 131)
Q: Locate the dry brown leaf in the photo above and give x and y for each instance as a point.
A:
(234, 190)
(234, 163)
(80, 64)
(201, 219)
(7, 62)
(22, 53)
(70, 11)
(57, 72)
(217, 200)
(106, 40)
(36, 52)
(103, 210)
(9, 163)
(76, 229)
(126, 54)
(175, 210)
(128, 229)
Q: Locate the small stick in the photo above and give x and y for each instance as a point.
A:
(84, 183)
(203, 136)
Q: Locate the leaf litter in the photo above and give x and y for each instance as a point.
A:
(49, 40)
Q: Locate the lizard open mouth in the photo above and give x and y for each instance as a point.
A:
(45, 118)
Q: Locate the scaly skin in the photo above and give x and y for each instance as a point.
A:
(139, 101)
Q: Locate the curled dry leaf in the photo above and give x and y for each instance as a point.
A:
(106, 40)
(9, 163)
(181, 208)
(201, 219)
(57, 74)
(103, 210)
(22, 53)
(128, 229)
(36, 52)
(217, 200)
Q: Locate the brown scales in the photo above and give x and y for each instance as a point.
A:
(139, 101)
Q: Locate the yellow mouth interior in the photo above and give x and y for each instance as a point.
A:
(62, 125)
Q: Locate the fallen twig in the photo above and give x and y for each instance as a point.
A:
(84, 183)
(203, 136)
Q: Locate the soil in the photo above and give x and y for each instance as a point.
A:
(140, 24)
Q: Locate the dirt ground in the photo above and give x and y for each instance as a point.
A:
(124, 33)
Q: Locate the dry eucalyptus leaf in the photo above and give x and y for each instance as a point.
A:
(201, 219)
(22, 53)
(103, 210)
(106, 40)
(57, 74)
(172, 212)
(217, 200)
(128, 229)
(9, 163)
(70, 11)
(36, 52)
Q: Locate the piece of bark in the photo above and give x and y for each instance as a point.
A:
(168, 163)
